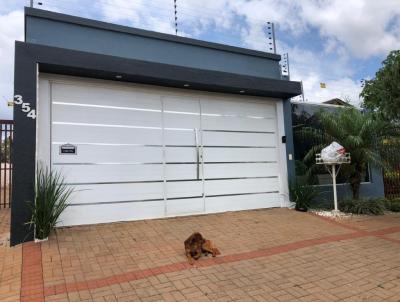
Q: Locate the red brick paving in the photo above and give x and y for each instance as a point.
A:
(10, 262)
(141, 274)
(32, 274)
(359, 264)
(388, 238)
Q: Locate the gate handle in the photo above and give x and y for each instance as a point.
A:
(197, 152)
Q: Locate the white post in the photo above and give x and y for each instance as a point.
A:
(334, 188)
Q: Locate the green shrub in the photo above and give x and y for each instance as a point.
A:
(51, 196)
(362, 206)
(302, 195)
(392, 204)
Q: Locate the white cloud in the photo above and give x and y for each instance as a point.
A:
(314, 68)
(120, 10)
(282, 12)
(344, 88)
(361, 26)
(140, 13)
(11, 29)
(12, 5)
(356, 28)
(158, 15)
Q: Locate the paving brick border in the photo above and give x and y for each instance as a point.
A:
(378, 233)
(32, 273)
(389, 239)
(32, 288)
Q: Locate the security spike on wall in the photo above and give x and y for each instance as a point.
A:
(284, 63)
(176, 17)
(270, 32)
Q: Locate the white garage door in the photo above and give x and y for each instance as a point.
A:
(148, 152)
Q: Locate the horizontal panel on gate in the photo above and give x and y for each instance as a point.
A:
(182, 171)
(109, 173)
(185, 206)
(109, 154)
(106, 96)
(172, 120)
(236, 186)
(116, 192)
(74, 114)
(239, 139)
(105, 135)
(239, 154)
(242, 202)
(178, 154)
(238, 124)
(103, 213)
(181, 104)
(180, 137)
(184, 189)
(240, 170)
(232, 108)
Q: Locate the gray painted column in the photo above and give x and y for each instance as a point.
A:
(287, 113)
(23, 154)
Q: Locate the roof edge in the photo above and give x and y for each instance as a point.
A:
(79, 63)
(34, 12)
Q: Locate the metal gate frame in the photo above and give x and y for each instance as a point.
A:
(6, 138)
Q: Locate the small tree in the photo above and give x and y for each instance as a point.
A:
(382, 93)
(361, 134)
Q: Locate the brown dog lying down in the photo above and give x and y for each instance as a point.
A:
(195, 245)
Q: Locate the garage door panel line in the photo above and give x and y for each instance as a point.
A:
(160, 111)
(168, 180)
(155, 145)
(173, 198)
(160, 163)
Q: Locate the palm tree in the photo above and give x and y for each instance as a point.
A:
(361, 133)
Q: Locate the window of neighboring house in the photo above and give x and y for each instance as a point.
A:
(303, 115)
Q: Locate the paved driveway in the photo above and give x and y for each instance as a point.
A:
(267, 255)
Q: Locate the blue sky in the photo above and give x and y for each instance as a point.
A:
(338, 42)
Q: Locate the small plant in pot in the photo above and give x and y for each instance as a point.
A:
(51, 199)
(302, 195)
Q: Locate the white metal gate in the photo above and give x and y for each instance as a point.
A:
(147, 152)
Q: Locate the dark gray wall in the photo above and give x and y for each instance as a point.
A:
(374, 188)
(70, 35)
(23, 154)
(287, 113)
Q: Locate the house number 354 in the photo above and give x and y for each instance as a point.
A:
(25, 107)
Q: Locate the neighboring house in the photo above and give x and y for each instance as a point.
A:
(147, 125)
(337, 102)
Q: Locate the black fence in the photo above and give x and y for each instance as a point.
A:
(391, 176)
(6, 137)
